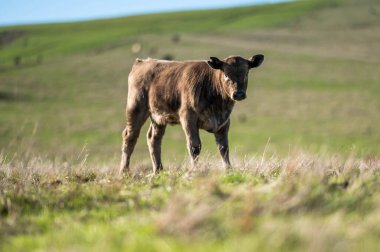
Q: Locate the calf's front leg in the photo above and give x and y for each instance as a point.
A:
(189, 124)
(221, 138)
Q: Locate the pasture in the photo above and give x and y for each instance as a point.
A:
(305, 144)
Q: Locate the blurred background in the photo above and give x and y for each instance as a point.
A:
(63, 81)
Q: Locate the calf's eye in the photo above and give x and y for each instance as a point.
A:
(226, 78)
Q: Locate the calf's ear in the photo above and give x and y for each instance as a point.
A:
(255, 61)
(215, 63)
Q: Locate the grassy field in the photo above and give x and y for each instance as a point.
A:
(305, 144)
(300, 203)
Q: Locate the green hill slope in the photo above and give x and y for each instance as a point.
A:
(63, 86)
(78, 37)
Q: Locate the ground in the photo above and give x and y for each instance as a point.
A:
(293, 204)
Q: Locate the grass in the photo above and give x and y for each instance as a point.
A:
(303, 202)
(305, 144)
(317, 90)
(53, 39)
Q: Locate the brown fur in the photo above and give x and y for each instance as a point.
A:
(196, 94)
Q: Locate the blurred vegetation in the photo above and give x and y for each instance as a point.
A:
(301, 203)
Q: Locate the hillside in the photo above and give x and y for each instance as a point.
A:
(91, 35)
(318, 89)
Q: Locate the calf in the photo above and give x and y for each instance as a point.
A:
(196, 94)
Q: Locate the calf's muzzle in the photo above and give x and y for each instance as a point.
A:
(239, 95)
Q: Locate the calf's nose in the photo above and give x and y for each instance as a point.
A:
(239, 95)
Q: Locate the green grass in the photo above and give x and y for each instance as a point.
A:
(295, 204)
(311, 93)
(62, 113)
(84, 36)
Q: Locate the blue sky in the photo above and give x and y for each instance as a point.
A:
(46, 11)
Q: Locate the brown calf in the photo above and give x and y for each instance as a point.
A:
(197, 94)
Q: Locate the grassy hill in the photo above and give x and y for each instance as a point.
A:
(305, 144)
(317, 90)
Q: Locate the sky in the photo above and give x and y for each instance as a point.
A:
(13, 12)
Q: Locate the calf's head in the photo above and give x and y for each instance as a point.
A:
(235, 73)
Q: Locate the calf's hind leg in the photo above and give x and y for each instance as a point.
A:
(136, 117)
(154, 139)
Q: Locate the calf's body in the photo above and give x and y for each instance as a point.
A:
(196, 94)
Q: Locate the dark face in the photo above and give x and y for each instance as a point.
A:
(235, 73)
